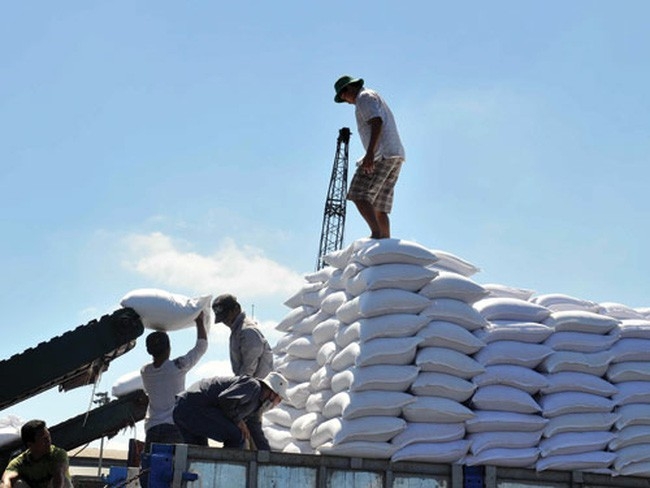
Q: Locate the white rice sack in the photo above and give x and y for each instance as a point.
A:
(334, 300)
(298, 370)
(326, 353)
(298, 447)
(508, 330)
(439, 333)
(429, 432)
(363, 449)
(629, 371)
(558, 302)
(307, 325)
(278, 437)
(369, 429)
(505, 456)
(365, 403)
(632, 454)
(453, 285)
(436, 409)
(632, 414)
(341, 257)
(377, 377)
(580, 422)
(586, 461)
(496, 290)
(283, 415)
(506, 398)
(513, 352)
(409, 277)
(336, 280)
(630, 436)
(280, 348)
(565, 402)
(450, 262)
(381, 302)
(326, 330)
(631, 392)
(595, 363)
(162, 310)
(390, 325)
(444, 360)
(619, 311)
(451, 310)
(520, 377)
(388, 351)
(303, 427)
(346, 357)
(442, 385)
(322, 378)
(342, 380)
(317, 400)
(575, 443)
(303, 347)
(503, 308)
(10, 429)
(581, 321)
(385, 251)
(641, 468)
(127, 383)
(483, 441)
(582, 382)
(495, 421)
(632, 328)
(631, 350)
(432, 452)
(298, 298)
(320, 276)
(293, 317)
(297, 395)
(582, 341)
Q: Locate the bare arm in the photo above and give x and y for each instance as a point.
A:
(368, 164)
(201, 332)
(9, 478)
(59, 479)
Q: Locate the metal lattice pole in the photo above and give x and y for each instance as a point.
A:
(331, 238)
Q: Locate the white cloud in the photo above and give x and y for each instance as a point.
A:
(242, 270)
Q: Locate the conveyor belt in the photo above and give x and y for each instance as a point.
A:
(73, 359)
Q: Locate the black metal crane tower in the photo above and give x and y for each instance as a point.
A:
(331, 236)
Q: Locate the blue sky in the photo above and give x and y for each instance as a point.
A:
(188, 146)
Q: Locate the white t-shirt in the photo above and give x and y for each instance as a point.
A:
(163, 384)
(369, 105)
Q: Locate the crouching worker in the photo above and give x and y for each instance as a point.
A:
(42, 465)
(217, 408)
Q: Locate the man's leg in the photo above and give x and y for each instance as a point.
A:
(370, 216)
(384, 224)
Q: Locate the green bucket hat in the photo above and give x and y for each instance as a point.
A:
(343, 82)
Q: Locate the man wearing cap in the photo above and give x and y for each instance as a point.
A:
(373, 184)
(250, 352)
(163, 379)
(217, 408)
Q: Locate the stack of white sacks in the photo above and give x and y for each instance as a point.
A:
(629, 371)
(393, 352)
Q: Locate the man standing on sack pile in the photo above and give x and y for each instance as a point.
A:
(373, 184)
(218, 408)
(250, 353)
